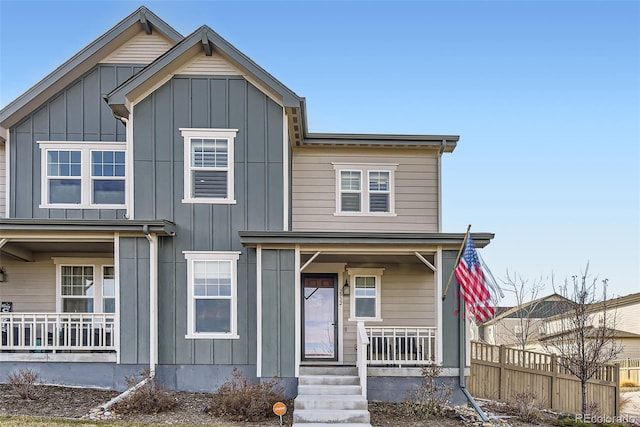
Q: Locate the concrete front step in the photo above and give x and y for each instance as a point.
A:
(330, 416)
(304, 390)
(330, 395)
(328, 380)
(331, 424)
(329, 370)
(335, 402)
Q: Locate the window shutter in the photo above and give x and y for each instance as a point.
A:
(210, 184)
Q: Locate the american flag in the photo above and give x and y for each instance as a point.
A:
(474, 284)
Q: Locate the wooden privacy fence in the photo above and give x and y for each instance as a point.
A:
(629, 370)
(498, 373)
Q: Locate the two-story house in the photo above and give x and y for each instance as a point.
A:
(167, 208)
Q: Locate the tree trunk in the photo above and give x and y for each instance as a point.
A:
(583, 385)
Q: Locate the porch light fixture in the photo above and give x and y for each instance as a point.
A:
(3, 273)
(346, 290)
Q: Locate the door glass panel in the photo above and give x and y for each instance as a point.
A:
(319, 318)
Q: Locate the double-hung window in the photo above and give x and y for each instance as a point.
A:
(365, 189)
(212, 294)
(107, 177)
(365, 299)
(85, 285)
(208, 165)
(80, 174)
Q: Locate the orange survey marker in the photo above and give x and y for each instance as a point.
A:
(279, 408)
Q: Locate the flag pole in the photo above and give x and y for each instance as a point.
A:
(464, 242)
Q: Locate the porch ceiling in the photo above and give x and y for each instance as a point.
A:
(29, 250)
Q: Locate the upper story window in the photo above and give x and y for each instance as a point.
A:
(365, 189)
(80, 174)
(208, 165)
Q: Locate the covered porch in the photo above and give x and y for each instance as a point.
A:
(392, 294)
(60, 288)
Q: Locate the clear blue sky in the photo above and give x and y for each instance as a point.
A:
(545, 96)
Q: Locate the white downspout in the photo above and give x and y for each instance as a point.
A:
(153, 300)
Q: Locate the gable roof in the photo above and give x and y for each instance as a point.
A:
(83, 61)
(544, 307)
(204, 40)
(591, 332)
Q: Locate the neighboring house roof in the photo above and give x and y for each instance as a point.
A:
(204, 39)
(591, 333)
(545, 307)
(617, 302)
(251, 238)
(83, 61)
(610, 304)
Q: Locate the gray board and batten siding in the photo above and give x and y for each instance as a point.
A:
(78, 113)
(229, 102)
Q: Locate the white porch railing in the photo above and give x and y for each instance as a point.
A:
(362, 343)
(398, 346)
(50, 332)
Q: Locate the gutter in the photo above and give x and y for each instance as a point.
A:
(153, 319)
(153, 300)
(461, 366)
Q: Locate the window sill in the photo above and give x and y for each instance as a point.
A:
(212, 337)
(364, 319)
(370, 214)
(210, 201)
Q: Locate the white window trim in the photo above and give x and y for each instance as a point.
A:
(98, 265)
(85, 148)
(230, 135)
(192, 256)
(370, 272)
(365, 169)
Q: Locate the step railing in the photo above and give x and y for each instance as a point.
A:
(40, 332)
(362, 343)
(401, 345)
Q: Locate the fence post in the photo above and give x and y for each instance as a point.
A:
(502, 358)
(552, 387)
(616, 379)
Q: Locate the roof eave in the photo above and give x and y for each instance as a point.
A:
(160, 227)
(444, 143)
(117, 99)
(252, 238)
